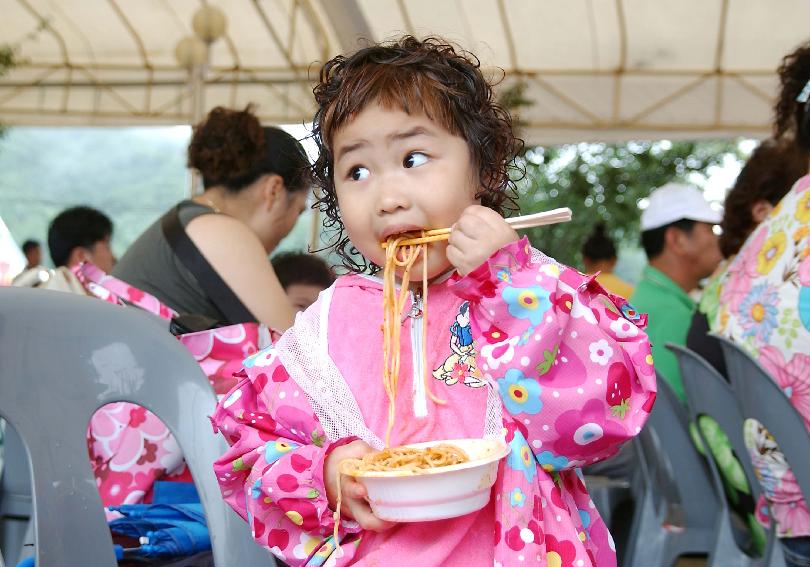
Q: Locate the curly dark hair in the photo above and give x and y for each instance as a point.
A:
(427, 76)
(794, 72)
(768, 175)
(231, 149)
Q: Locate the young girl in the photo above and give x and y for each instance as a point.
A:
(411, 139)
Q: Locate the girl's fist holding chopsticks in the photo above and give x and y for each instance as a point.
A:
(478, 233)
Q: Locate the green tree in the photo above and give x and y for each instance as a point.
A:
(8, 60)
(604, 183)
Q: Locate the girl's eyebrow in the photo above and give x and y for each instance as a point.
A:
(410, 133)
(349, 148)
(343, 151)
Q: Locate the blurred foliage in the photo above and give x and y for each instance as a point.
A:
(604, 183)
(131, 174)
(8, 59)
(513, 98)
(601, 182)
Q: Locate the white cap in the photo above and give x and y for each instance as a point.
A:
(674, 202)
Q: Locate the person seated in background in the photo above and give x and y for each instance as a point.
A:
(767, 177)
(303, 276)
(33, 254)
(682, 249)
(81, 234)
(208, 255)
(764, 306)
(29, 276)
(75, 235)
(599, 255)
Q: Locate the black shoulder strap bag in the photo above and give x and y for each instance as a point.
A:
(212, 284)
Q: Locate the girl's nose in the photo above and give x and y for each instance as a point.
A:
(392, 197)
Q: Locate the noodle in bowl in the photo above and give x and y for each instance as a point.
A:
(435, 493)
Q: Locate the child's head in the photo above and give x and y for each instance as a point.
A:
(303, 276)
(409, 136)
(598, 251)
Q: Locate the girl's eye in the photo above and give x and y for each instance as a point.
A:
(414, 159)
(358, 173)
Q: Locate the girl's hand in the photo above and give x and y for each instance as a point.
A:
(479, 233)
(354, 502)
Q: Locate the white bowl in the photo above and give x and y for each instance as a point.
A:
(440, 493)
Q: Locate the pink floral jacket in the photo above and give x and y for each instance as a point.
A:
(522, 349)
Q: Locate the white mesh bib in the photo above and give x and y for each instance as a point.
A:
(304, 351)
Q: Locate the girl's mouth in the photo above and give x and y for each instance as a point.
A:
(400, 231)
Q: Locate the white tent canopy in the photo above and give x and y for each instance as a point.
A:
(594, 69)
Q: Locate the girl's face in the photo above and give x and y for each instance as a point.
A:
(395, 173)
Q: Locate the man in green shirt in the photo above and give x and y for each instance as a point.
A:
(682, 249)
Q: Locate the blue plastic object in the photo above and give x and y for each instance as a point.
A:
(163, 529)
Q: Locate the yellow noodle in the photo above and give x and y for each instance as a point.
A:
(401, 458)
(406, 459)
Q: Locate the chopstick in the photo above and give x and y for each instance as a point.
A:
(553, 216)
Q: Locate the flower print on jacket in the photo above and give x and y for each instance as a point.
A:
(551, 462)
(758, 312)
(527, 302)
(517, 498)
(791, 376)
(600, 352)
(500, 353)
(520, 394)
(520, 457)
(771, 251)
(586, 431)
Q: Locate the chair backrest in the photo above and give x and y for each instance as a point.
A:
(762, 399)
(710, 394)
(63, 356)
(15, 494)
(680, 473)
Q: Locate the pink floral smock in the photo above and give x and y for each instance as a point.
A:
(568, 367)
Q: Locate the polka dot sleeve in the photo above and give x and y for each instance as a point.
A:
(272, 475)
(571, 362)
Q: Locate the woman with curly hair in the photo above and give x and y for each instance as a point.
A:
(208, 255)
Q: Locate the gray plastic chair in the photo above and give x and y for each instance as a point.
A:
(63, 356)
(709, 394)
(761, 398)
(15, 496)
(676, 506)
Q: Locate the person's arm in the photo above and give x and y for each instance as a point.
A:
(236, 254)
(281, 472)
(575, 370)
